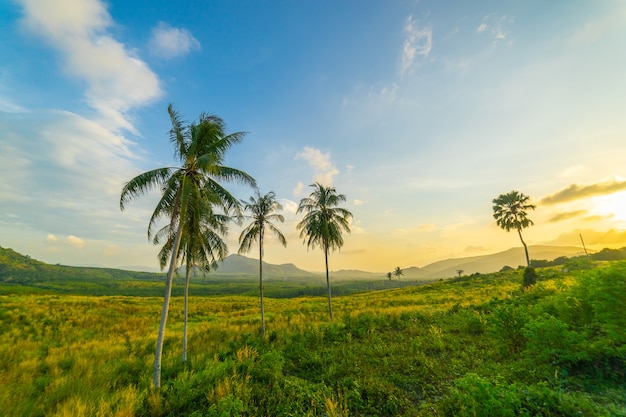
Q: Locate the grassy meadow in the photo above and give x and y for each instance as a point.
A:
(477, 345)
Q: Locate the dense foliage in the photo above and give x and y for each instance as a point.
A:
(473, 345)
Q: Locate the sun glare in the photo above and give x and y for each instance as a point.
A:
(613, 207)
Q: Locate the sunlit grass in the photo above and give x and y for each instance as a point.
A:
(392, 352)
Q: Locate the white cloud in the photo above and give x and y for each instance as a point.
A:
(117, 80)
(289, 206)
(75, 241)
(168, 42)
(298, 189)
(358, 202)
(325, 170)
(51, 238)
(418, 42)
(496, 26)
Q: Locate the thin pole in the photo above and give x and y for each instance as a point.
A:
(583, 242)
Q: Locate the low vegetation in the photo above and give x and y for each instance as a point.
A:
(479, 345)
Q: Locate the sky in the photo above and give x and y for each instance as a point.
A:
(419, 112)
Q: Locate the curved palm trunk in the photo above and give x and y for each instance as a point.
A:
(519, 231)
(185, 314)
(330, 307)
(166, 305)
(261, 284)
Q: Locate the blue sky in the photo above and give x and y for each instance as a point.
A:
(420, 112)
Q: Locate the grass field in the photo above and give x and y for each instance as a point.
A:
(477, 345)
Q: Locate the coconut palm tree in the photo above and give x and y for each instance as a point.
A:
(201, 247)
(323, 224)
(263, 209)
(510, 211)
(389, 275)
(398, 272)
(186, 190)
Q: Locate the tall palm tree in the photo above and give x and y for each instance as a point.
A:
(187, 189)
(201, 247)
(263, 209)
(323, 224)
(398, 272)
(510, 211)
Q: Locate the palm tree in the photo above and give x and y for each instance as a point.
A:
(389, 275)
(323, 223)
(263, 209)
(510, 212)
(187, 190)
(201, 247)
(398, 272)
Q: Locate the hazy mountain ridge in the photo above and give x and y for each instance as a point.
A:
(242, 266)
(482, 264)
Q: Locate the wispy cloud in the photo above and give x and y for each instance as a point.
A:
(496, 26)
(169, 42)
(596, 28)
(579, 191)
(568, 215)
(117, 79)
(418, 42)
(591, 237)
(321, 162)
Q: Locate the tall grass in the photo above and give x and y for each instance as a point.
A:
(448, 348)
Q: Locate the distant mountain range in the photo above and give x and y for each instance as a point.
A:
(238, 266)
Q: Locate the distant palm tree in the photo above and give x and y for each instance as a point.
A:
(187, 190)
(201, 247)
(263, 209)
(398, 272)
(323, 224)
(389, 275)
(510, 211)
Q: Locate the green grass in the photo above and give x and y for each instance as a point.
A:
(468, 346)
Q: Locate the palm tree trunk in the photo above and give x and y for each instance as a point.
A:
(330, 307)
(261, 284)
(519, 231)
(166, 305)
(185, 313)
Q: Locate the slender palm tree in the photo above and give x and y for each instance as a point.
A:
(201, 247)
(398, 272)
(187, 189)
(263, 209)
(323, 224)
(389, 275)
(510, 211)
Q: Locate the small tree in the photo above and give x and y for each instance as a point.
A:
(510, 211)
(398, 272)
(389, 275)
(459, 271)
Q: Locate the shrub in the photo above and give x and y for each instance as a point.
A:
(530, 277)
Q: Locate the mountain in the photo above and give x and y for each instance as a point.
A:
(490, 263)
(242, 266)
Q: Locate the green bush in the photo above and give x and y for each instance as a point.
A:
(530, 277)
